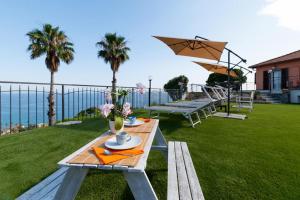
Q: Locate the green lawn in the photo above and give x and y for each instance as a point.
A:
(257, 158)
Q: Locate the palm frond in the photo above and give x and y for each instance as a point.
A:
(113, 49)
(54, 43)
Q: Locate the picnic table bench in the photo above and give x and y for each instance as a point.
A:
(182, 178)
(46, 189)
(183, 182)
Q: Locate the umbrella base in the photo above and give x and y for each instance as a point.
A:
(231, 115)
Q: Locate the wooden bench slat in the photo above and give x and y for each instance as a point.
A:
(37, 188)
(51, 195)
(184, 189)
(172, 173)
(191, 173)
(49, 188)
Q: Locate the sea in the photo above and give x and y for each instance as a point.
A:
(30, 108)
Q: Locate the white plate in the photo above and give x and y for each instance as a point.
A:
(136, 123)
(134, 142)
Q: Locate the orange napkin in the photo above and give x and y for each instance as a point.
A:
(116, 155)
(144, 119)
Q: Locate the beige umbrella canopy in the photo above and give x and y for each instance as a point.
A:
(216, 68)
(195, 48)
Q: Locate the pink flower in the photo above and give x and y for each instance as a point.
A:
(140, 88)
(106, 109)
(126, 109)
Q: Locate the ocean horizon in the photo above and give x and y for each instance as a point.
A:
(25, 113)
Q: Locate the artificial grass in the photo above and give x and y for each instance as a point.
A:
(257, 158)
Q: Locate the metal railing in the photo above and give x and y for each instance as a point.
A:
(273, 82)
(249, 86)
(245, 86)
(24, 105)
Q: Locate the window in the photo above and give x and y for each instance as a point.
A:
(285, 78)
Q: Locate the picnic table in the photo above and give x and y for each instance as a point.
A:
(133, 168)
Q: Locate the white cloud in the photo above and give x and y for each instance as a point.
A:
(286, 11)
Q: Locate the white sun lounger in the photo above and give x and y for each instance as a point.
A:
(245, 102)
(224, 92)
(204, 105)
(185, 111)
(189, 104)
(215, 98)
(190, 108)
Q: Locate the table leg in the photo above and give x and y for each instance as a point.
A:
(140, 185)
(71, 183)
(161, 143)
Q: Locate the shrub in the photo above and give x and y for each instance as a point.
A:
(88, 112)
(176, 87)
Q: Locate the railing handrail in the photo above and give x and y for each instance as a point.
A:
(19, 112)
(66, 84)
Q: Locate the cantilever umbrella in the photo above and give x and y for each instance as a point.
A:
(216, 68)
(206, 49)
(195, 47)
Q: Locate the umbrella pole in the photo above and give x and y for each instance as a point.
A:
(241, 89)
(228, 85)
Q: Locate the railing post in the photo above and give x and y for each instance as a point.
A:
(10, 122)
(20, 115)
(86, 99)
(90, 101)
(0, 111)
(62, 102)
(94, 102)
(97, 101)
(56, 104)
(36, 107)
(132, 97)
(149, 93)
(78, 103)
(159, 96)
(44, 106)
(68, 104)
(73, 114)
(82, 102)
(28, 107)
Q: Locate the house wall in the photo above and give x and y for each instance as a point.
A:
(294, 73)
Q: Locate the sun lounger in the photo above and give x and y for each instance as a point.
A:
(211, 97)
(185, 111)
(192, 108)
(245, 102)
(203, 105)
(189, 104)
(224, 92)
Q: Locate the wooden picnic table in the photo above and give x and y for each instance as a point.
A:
(133, 168)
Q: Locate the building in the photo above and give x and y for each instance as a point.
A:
(280, 75)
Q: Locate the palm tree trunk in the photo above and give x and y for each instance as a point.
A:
(51, 112)
(114, 81)
(113, 95)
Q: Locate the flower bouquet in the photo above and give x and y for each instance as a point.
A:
(116, 114)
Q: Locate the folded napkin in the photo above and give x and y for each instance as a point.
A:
(144, 119)
(116, 154)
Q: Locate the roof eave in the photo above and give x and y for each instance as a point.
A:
(274, 63)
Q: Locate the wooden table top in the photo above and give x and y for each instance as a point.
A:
(85, 157)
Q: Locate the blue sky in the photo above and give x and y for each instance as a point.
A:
(257, 29)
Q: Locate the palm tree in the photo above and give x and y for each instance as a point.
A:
(55, 45)
(114, 51)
